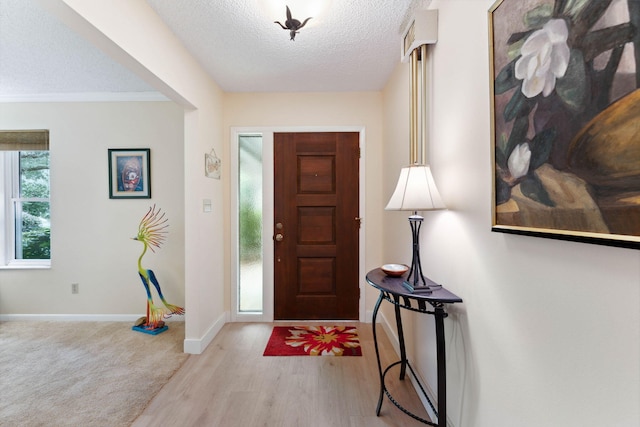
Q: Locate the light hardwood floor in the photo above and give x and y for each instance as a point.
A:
(231, 384)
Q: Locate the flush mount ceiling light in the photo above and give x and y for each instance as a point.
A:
(275, 10)
(292, 24)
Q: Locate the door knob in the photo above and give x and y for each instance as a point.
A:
(278, 237)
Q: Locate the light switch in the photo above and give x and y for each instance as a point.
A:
(206, 205)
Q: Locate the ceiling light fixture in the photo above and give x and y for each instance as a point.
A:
(292, 24)
(274, 10)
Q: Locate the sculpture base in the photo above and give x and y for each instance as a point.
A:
(149, 331)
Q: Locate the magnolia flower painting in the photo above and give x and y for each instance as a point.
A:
(544, 57)
(566, 119)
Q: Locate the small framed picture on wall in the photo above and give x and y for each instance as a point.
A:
(129, 173)
(212, 164)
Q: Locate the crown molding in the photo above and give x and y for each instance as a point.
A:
(86, 97)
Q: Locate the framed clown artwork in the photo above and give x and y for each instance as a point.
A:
(129, 173)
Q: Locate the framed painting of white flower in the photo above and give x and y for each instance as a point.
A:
(565, 82)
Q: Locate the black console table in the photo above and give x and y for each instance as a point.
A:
(392, 290)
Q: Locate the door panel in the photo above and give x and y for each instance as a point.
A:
(316, 201)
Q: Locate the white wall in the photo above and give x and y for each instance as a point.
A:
(91, 234)
(549, 331)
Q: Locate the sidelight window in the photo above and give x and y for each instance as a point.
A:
(250, 283)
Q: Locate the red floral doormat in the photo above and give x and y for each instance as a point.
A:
(313, 341)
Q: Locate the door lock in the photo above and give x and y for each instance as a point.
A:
(278, 237)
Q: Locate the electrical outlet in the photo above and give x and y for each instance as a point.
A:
(74, 288)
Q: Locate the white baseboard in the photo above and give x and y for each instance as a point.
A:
(197, 346)
(191, 346)
(368, 316)
(71, 317)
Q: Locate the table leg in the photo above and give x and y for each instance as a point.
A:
(403, 351)
(375, 343)
(442, 367)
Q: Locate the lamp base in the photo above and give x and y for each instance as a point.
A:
(416, 282)
(420, 289)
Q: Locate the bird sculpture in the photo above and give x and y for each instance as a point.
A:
(293, 25)
(151, 232)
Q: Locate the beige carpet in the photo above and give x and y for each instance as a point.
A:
(82, 373)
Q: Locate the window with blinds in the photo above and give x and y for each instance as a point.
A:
(25, 202)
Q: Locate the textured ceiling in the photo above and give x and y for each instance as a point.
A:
(40, 55)
(353, 46)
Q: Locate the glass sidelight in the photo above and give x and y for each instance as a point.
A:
(250, 218)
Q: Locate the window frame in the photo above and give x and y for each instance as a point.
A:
(10, 187)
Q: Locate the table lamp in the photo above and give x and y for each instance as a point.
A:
(416, 191)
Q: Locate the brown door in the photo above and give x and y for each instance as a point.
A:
(316, 225)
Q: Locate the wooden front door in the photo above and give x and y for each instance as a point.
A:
(316, 225)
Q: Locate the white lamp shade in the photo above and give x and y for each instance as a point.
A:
(416, 191)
